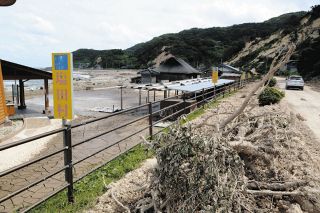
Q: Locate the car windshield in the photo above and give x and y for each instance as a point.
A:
(295, 78)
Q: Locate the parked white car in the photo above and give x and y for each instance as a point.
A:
(294, 81)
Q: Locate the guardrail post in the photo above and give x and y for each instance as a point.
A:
(223, 91)
(67, 141)
(203, 102)
(121, 97)
(150, 121)
(184, 104)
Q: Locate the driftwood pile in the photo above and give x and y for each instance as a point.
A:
(243, 168)
(196, 172)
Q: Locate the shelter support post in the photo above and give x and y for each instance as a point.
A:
(165, 94)
(13, 93)
(46, 96)
(17, 93)
(22, 97)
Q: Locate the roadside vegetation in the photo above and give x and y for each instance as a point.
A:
(272, 82)
(270, 95)
(88, 189)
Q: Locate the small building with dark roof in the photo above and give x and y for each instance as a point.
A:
(225, 68)
(171, 69)
(175, 69)
(229, 72)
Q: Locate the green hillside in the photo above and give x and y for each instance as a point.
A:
(199, 47)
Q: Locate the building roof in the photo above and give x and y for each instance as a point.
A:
(175, 65)
(189, 85)
(148, 72)
(230, 75)
(227, 68)
(13, 71)
(196, 86)
(7, 2)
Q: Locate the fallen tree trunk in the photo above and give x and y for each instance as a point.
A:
(287, 186)
(273, 193)
(271, 72)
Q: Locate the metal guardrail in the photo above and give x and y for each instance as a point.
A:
(199, 97)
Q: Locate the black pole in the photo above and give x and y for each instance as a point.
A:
(18, 96)
(139, 96)
(13, 93)
(67, 140)
(184, 104)
(121, 101)
(203, 98)
(22, 97)
(150, 120)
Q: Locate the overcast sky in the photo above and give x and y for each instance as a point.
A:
(32, 29)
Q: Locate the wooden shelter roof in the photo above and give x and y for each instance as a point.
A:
(13, 71)
(7, 2)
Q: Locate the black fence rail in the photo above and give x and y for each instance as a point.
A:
(79, 149)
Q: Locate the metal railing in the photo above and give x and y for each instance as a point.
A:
(188, 101)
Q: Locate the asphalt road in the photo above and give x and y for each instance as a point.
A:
(306, 103)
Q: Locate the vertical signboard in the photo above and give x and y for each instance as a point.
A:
(3, 107)
(214, 76)
(62, 85)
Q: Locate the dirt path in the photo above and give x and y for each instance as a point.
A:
(306, 103)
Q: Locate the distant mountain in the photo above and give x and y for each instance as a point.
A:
(260, 53)
(199, 47)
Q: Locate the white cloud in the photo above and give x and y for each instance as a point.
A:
(32, 29)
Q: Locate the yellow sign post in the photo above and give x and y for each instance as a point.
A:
(62, 85)
(215, 79)
(214, 76)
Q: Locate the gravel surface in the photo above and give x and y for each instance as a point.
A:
(306, 103)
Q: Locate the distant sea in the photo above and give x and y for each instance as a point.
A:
(29, 85)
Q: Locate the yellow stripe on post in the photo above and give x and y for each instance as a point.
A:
(3, 106)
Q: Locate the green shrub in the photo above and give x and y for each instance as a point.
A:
(272, 82)
(270, 95)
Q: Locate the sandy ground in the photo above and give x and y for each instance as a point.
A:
(5, 131)
(99, 91)
(104, 78)
(22, 153)
(128, 187)
(86, 101)
(306, 103)
(92, 79)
